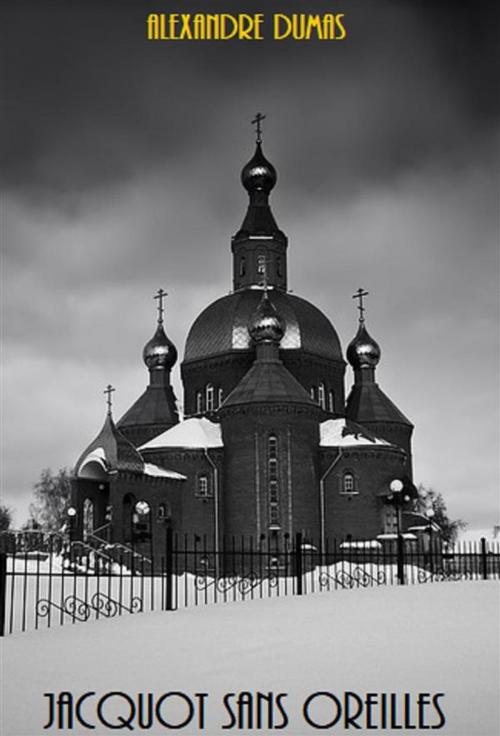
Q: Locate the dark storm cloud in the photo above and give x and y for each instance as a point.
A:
(91, 103)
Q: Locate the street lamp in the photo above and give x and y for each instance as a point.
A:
(142, 518)
(398, 499)
(429, 512)
(71, 514)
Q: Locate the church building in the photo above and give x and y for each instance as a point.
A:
(268, 445)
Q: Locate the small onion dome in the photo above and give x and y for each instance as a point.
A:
(363, 351)
(266, 325)
(159, 353)
(258, 174)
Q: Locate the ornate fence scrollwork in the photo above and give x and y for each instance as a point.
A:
(73, 606)
(81, 610)
(443, 575)
(243, 584)
(356, 577)
(109, 607)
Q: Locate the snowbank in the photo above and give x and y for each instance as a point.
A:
(418, 639)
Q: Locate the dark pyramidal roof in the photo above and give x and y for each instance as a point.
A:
(368, 403)
(267, 381)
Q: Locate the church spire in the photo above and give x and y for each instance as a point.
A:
(155, 411)
(363, 353)
(160, 353)
(259, 239)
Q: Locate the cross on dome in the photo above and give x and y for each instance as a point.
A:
(160, 295)
(108, 391)
(257, 121)
(359, 295)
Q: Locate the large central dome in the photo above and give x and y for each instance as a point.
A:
(223, 326)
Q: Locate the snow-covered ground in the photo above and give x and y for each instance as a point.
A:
(440, 638)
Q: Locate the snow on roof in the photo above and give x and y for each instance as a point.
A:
(156, 472)
(98, 455)
(332, 435)
(370, 544)
(193, 433)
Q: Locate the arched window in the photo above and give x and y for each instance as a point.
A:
(88, 517)
(199, 402)
(242, 266)
(321, 396)
(209, 397)
(348, 483)
(220, 397)
(202, 487)
(331, 403)
(313, 393)
(164, 512)
(273, 482)
(261, 264)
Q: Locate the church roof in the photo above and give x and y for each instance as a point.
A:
(111, 450)
(223, 326)
(155, 471)
(269, 382)
(155, 406)
(343, 433)
(368, 403)
(196, 432)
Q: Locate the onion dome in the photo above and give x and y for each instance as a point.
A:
(363, 351)
(159, 353)
(265, 324)
(259, 175)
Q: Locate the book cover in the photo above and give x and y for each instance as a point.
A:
(259, 163)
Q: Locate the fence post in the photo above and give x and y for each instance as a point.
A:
(484, 559)
(401, 560)
(3, 587)
(169, 570)
(298, 562)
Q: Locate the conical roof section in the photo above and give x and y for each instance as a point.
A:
(267, 381)
(368, 403)
(156, 408)
(114, 449)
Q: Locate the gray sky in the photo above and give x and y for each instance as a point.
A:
(121, 175)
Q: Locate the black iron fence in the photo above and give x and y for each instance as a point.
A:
(52, 580)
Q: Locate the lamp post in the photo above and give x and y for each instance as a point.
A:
(71, 513)
(398, 499)
(429, 512)
(71, 516)
(143, 519)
